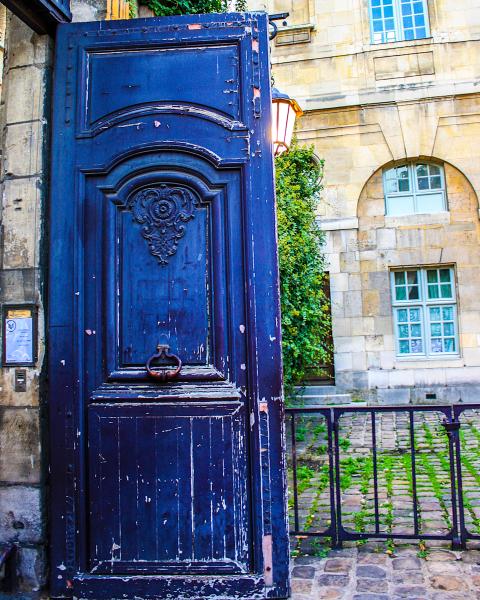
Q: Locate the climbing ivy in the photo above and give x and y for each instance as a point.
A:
(305, 306)
(166, 8)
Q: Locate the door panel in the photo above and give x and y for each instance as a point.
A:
(163, 233)
(171, 303)
(151, 77)
(145, 460)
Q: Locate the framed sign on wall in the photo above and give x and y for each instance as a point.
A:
(19, 334)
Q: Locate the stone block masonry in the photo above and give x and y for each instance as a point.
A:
(25, 117)
(25, 106)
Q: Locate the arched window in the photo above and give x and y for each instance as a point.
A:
(414, 188)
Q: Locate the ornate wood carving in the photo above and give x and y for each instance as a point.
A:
(163, 211)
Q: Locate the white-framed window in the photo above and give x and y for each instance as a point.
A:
(414, 188)
(425, 312)
(397, 20)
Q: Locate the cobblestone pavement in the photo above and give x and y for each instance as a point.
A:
(368, 573)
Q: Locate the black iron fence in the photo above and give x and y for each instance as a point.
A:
(384, 472)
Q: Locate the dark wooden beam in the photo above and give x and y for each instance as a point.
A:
(41, 15)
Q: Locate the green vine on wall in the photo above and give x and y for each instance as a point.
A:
(166, 8)
(305, 306)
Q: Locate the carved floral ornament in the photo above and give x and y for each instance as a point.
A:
(163, 211)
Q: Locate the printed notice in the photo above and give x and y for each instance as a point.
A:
(19, 336)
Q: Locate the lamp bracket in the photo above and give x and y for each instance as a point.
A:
(276, 17)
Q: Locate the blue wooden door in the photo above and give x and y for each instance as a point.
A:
(165, 395)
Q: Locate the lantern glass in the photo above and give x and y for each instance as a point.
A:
(284, 112)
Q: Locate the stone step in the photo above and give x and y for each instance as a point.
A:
(323, 400)
(316, 390)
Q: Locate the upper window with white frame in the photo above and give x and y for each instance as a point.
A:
(425, 312)
(414, 188)
(398, 20)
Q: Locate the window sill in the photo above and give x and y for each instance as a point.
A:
(428, 362)
(381, 46)
(439, 218)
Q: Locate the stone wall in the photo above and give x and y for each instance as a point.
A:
(360, 263)
(25, 109)
(357, 143)
(26, 87)
(371, 105)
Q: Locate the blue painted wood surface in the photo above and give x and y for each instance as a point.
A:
(42, 16)
(162, 231)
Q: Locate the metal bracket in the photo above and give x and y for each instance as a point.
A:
(272, 19)
(451, 426)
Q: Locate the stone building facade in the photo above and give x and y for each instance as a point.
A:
(388, 89)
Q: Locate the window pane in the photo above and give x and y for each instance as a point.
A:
(448, 329)
(401, 293)
(432, 276)
(412, 277)
(446, 290)
(403, 331)
(436, 329)
(416, 331)
(436, 182)
(445, 275)
(415, 315)
(403, 185)
(402, 172)
(434, 169)
(435, 314)
(423, 183)
(433, 292)
(413, 293)
(400, 205)
(437, 345)
(416, 346)
(430, 203)
(402, 315)
(391, 186)
(404, 347)
(399, 277)
(447, 313)
(450, 345)
(422, 170)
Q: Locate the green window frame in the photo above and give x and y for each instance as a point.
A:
(425, 312)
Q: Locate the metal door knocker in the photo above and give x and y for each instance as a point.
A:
(163, 373)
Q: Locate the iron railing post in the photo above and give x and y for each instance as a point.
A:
(294, 472)
(338, 543)
(452, 428)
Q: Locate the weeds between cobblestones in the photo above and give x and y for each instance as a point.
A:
(394, 476)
